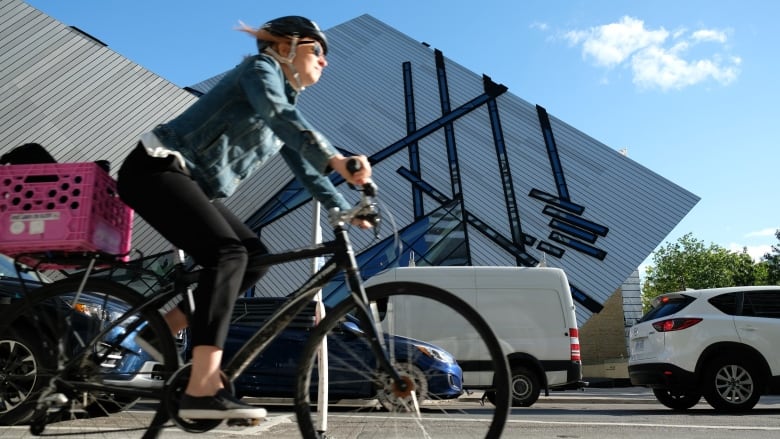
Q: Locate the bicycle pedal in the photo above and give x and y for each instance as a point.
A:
(55, 400)
(243, 422)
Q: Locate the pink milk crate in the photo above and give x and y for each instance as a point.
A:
(62, 208)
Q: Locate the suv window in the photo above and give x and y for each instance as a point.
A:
(726, 303)
(666, 305)
(7, 269)
(762, 304)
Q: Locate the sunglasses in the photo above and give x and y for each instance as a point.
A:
(316, 50)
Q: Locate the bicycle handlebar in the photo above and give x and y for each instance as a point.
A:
(366, 209)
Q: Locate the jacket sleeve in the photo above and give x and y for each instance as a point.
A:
(319, 185)
(264, 86)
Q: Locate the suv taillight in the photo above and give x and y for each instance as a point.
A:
(574, 340)
(675, 324)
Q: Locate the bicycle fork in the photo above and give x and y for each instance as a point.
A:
(368, 315)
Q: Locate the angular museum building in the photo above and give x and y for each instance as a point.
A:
(469, 173)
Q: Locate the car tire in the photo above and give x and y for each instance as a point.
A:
(731, 384)
(22, 364)
(524, 386)
(677, 400)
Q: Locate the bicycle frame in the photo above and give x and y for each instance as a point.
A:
(343, 258)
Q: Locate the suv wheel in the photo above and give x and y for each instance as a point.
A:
(677, 400)
(731, 384)
(21, 363)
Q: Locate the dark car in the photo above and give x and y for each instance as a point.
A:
(23, 352)
(274, 372)
(271, 374)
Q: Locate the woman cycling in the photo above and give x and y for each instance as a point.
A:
(177, 173)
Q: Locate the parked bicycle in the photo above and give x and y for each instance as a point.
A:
(86, 324)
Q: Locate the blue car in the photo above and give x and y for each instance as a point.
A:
(24, 355)
(274, 372)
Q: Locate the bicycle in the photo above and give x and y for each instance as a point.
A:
(87, 321)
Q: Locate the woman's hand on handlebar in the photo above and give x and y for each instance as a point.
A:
(363, 224)
(359, 177)
(357, 171)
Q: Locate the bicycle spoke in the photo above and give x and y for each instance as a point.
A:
(70, 355)
(434, 387)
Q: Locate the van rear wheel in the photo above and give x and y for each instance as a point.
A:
(525, 387)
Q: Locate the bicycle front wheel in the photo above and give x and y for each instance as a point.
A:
(69, 353)
(447, 369)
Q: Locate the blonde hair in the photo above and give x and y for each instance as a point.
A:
(260, 33)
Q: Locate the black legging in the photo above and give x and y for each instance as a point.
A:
(167, 198)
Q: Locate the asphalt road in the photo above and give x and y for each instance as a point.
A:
(595, 413)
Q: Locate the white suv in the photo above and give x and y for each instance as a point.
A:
(721, 343)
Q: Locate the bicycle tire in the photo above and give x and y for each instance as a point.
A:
(112, 373)
(351, 368)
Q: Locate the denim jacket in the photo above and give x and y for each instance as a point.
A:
(245, 119)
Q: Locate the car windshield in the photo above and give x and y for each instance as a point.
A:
(666, 305)
(7, 269)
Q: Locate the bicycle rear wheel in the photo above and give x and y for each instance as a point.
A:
(430, 358)
(66, 356)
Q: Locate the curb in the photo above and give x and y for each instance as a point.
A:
(582, 399)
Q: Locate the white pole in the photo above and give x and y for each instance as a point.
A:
(322, 355)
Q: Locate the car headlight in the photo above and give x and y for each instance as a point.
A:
(101, 313)
(436, 354)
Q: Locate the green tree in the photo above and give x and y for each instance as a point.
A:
(772, 262)
(688, 263)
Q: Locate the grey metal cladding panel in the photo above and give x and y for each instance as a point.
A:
(632, 296)
(633, 230)
(599, 178)
(76, 97)
(79, 99)
(366, 88)
(12, 8)
(374, 100)
(292, 231)
(480, 175)
(359, 105)
(364, 81)
(16, 16)
(622, 188)
(598, 172)
(485, 253)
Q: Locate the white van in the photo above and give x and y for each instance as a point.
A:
(530, 310)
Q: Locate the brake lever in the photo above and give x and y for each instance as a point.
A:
(375, 221)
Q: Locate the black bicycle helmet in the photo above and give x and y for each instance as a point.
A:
(290, 27)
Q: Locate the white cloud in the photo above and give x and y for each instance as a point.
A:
(611, 44)
(755, 251)
(656, 57)
(709, 35)
(769, 231)
(665, 69)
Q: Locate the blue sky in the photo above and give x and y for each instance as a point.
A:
(688, 88)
